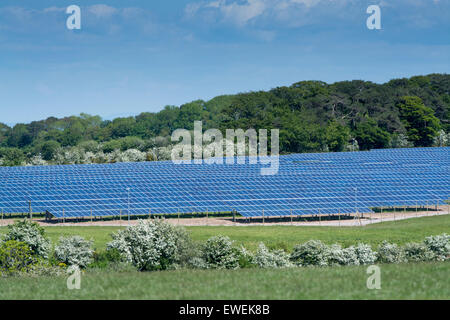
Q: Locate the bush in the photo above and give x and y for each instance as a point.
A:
(417, 252)
(15, 257)
(439, 245)
(44, 268)
(246, 258)
(49, 149)
(337, 256)
(197, 263)
(110, 146)
(218, 253)
(265, 258)
(150, 245)
(74, 251)
(311, 253)
(390, 253)
(32, 234)
(110, 260)
(105, 259)
(89, 146)
(365, 254)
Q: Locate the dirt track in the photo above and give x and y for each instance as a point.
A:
(366, 219)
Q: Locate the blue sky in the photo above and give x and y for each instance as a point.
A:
(138, 55)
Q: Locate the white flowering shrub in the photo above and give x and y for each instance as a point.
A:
(90, 157)
(163, 153)
(311, 253)
(417, 252)
(338, 256)
(37, 161)
(442, 139)
(265, 258)
(439, 245)
(131, 155)
(218, 253)
(245, 257)
(390, 253)
(149, 245)
(365, 254)
(197, 263)
(74, 251)
(32, 235)
(72, 155)
(354, 146)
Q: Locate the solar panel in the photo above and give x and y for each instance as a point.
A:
(319, 183)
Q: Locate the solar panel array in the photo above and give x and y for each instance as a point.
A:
(320, 183)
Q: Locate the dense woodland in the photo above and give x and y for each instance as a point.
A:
(312, 116)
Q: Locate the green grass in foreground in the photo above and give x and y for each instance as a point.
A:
(404, 281)
(286, 237)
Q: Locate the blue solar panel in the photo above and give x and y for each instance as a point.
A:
(320, 183)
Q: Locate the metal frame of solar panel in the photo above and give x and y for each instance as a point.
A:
(319, 183)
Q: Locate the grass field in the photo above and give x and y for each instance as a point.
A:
(406, 281)
(287, 236)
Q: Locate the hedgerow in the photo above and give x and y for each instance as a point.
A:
(32, 234)
(157, 245)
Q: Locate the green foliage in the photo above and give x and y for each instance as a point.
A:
(390, 253)
(421, 124)
(11, 156)
(218, 253)
(337, 136)
(312, 116)
(439, 245)
(89, 146)
(105, 258)
(49, 149)
(417, 252)
(370, 136)
(311, 253)
(112, 145)
(32, 234)
(15, 257)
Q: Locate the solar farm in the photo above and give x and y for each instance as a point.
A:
(307, 188)
(306, 184)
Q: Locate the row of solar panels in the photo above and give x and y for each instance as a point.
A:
(305, 184)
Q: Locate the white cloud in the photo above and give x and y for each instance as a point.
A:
(268, 14)
(102, 10)
(242, 12)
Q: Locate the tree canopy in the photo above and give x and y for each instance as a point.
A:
(312, 116)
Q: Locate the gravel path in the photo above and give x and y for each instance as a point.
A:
(347, 221)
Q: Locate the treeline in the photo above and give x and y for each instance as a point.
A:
(312, 116)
